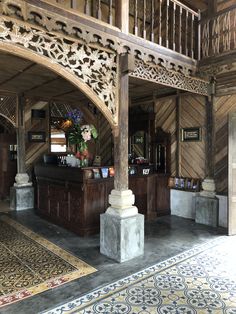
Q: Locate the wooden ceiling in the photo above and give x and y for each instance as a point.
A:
(21, 76)
(196, 4)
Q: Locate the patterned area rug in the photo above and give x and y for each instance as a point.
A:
(29, 264)
(201, 280)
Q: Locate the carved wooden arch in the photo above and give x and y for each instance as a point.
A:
(8, 119)
(98, 83)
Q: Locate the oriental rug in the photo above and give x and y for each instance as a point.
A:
(29, 264)
(201, 280)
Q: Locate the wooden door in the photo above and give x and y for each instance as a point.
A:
(232, 175)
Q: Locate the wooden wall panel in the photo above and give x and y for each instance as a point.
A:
(192, 154)
(223, 106)
(192, 114)
(105, 141)
(165, 110)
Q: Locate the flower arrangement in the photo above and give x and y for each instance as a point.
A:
(79, 134)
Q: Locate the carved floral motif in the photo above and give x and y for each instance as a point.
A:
(160, 75)
(96, 68)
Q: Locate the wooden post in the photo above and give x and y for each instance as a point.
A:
(122, 132)
(20, 134)
(177, 154)
(210, 136)
(122, 15)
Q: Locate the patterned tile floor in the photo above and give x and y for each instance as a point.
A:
(165, 237)
(201, 280)
(29, 264)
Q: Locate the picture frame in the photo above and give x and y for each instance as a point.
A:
(191, 134)
(39, 137)
(138, 139)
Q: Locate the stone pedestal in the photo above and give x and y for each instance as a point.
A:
(121, 228)
(22, 197)
(121, 238)
(207, 210)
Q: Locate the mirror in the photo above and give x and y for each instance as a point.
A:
(138, 144)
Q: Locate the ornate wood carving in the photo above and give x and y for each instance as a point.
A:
(160, 75)
(219, 33)
(96, 68)
(89, 51)
(92, 32)
(8, 108)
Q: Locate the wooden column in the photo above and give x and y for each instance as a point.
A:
(121, 133)
(122, 15)
(210, 137)
(177, 154)
(20, 134)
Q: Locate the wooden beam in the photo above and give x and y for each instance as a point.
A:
(122, 15)
(121, 134)
(21, 167)
(211, 7)
(177, 154)
(210, 137)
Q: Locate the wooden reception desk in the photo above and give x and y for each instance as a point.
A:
(74, 198)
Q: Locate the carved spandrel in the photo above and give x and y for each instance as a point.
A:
(96, 68)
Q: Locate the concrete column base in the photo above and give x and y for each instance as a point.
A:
(121, 238)
(21, 197)
(207, 210)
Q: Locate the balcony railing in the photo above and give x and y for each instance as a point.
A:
(219, 33)
(167, 23)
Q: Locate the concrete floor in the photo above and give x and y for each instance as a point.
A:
(164, 237)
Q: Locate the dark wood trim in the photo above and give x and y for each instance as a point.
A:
(177, 154)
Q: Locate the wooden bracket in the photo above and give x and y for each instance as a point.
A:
(127, 63)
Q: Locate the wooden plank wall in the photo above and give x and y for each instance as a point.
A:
(192, 154)
(223, 106)
(105, 141)
(192, 114)
(165, 118)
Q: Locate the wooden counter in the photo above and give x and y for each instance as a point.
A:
(67, 197)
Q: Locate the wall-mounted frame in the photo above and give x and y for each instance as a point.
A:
(37, 137)
(191, 134)
(38, 113)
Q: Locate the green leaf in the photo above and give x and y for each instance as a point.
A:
(93, 131)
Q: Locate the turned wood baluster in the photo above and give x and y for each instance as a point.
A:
(167, 23)
(73, 4)
(144, 18)
(192, 35)
(87, 7)
(99, 12)
(110, 12)
(186, 34)
(160, 20)
(180, 29)
(174, 26)
(152, 20)
(136, 17)
(199, 35)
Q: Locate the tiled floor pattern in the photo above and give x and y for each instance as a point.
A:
(29, 264)
(201, 280)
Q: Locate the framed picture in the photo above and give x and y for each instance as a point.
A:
(138, 139)
(191, 134)
(37, 137)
